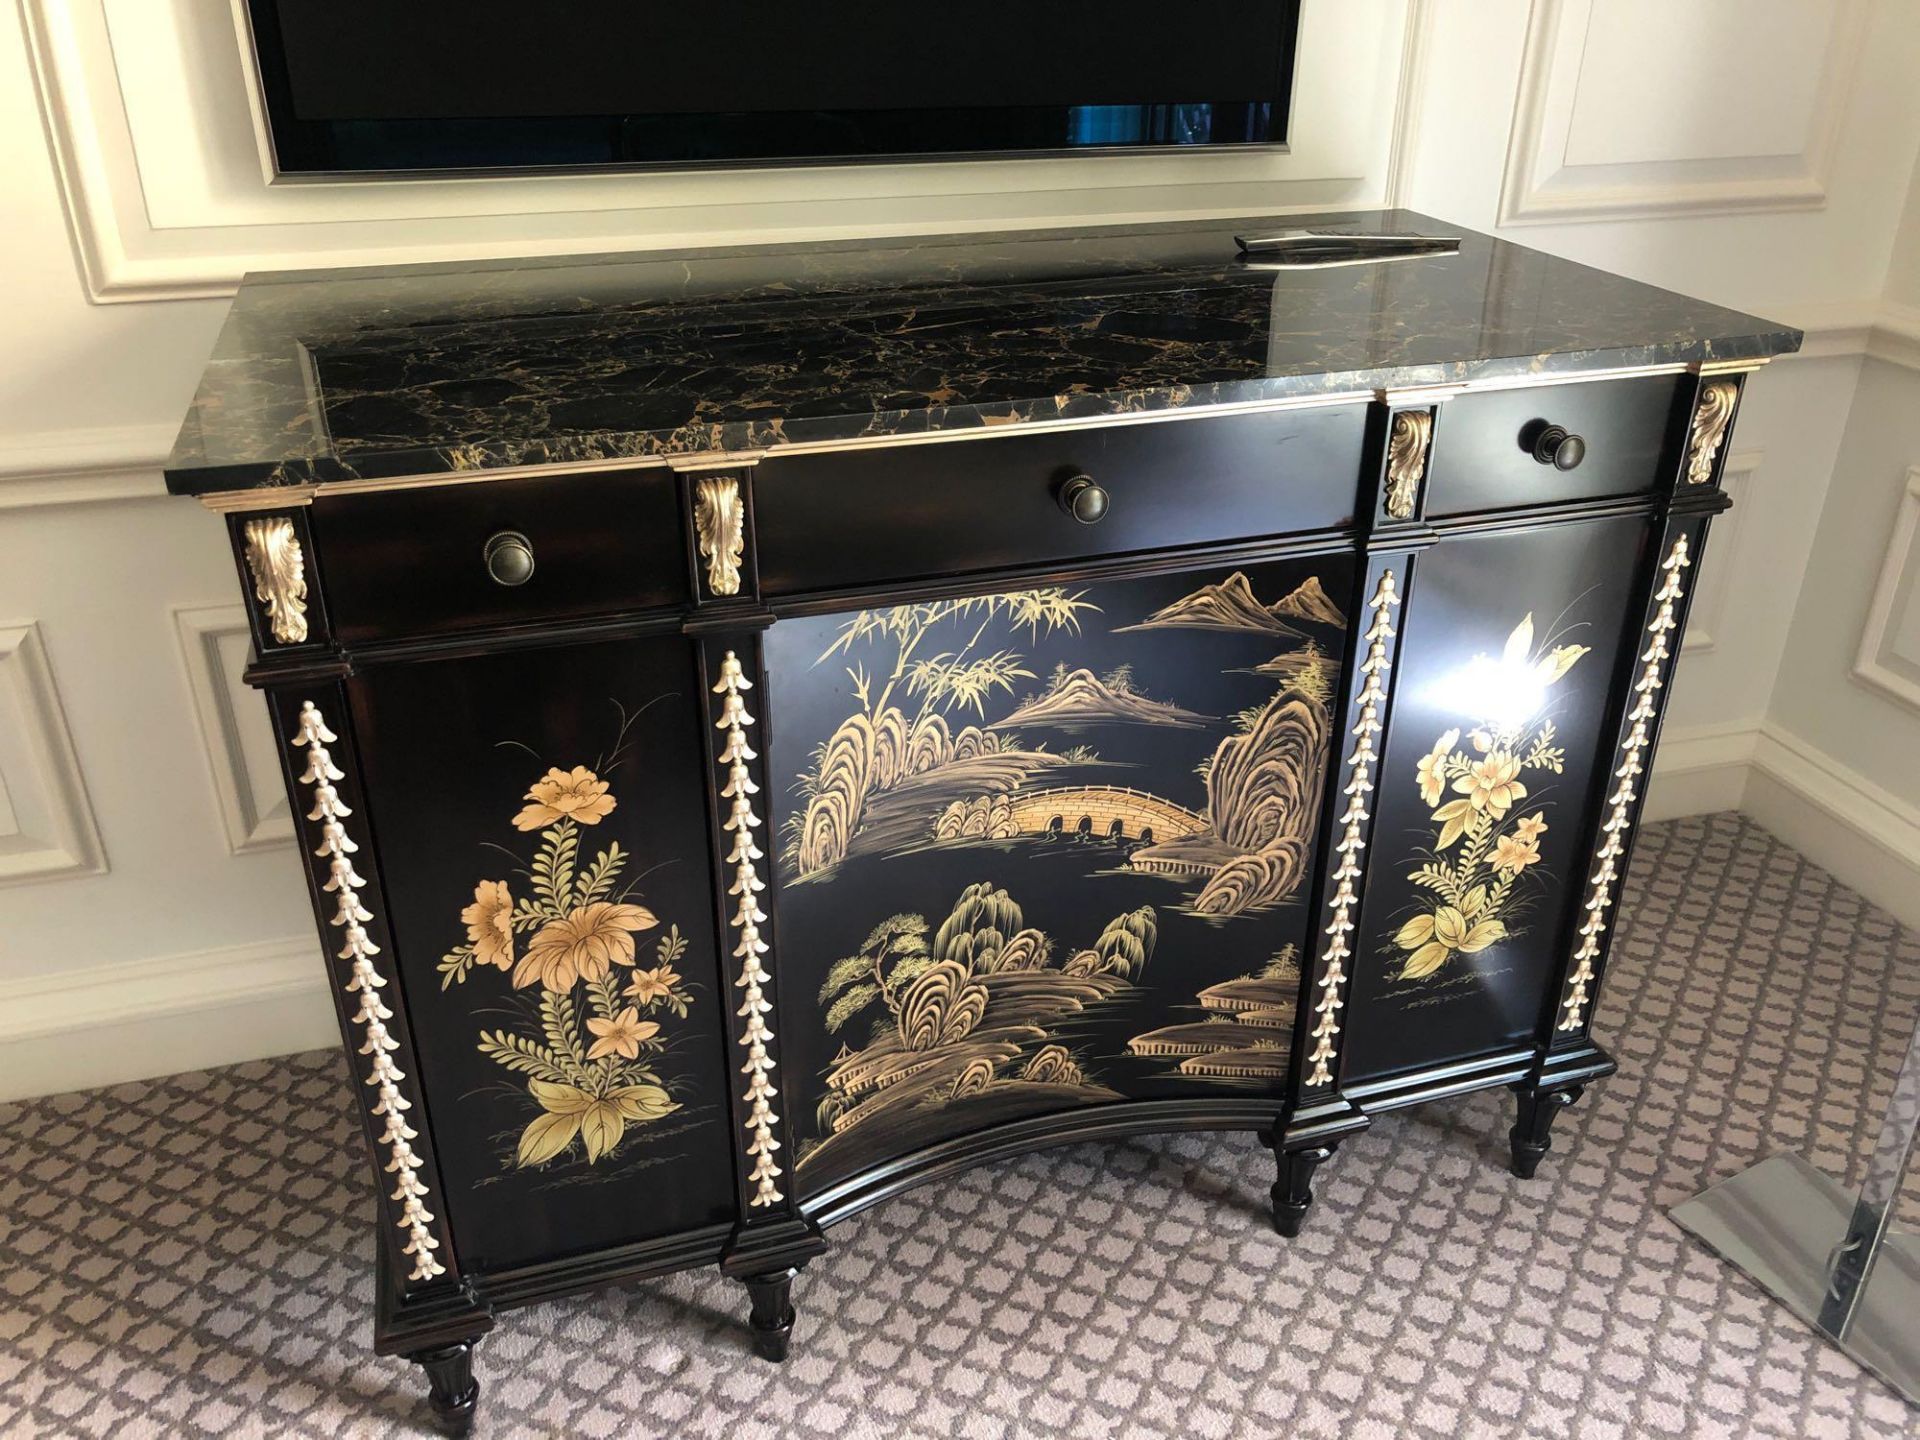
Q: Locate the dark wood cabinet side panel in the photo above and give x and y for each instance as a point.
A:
(542, 832)
(841, 520)
(1489, 778)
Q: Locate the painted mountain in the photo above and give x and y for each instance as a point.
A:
(1079, 697)
(1231, 605)
(1263, 792)
(1309, 602)
(1308, 668)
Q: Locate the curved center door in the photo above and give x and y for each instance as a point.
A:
(1045, 850)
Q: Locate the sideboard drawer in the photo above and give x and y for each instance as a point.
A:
(1483, 446)
(956, 507)
(416, 562)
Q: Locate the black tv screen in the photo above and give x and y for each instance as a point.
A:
(410, 85)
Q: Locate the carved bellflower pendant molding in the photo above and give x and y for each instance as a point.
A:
(1353, 835)
(279, 576)
(389, 1106)
(744, 857)
(1407, 460)
(1711, 417)
(719, 520)
(1632, 765)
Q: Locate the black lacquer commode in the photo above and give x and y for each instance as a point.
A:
(772, 729)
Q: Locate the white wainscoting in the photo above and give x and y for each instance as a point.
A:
(109, 463)
(112, 1023)
(160, 167)
(1722, 559)
(1889, 655)
(47, 829)
(215, 646)
(1643, 109)
(1840, 819)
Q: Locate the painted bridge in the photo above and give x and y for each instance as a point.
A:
(1112, 811)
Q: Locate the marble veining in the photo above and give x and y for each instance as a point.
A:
(428, 370)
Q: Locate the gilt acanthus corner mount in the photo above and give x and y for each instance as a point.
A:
(279, 572)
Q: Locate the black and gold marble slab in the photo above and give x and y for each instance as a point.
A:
(429, 370)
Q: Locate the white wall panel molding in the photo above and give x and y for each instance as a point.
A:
(1888, 659)
(1641, 109)
(1832, 329)
(143, 1018)
(1896, 336)
(160, 171)
(1722, 560)
(83, 467)
(47, 829)
(234, 734)
(1416, 52)
(1882, 331)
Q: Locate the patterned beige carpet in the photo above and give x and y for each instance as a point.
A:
(192, 1256)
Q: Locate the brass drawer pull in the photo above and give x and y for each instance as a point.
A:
(1559, 447)
(1084, 499)
(509, 557)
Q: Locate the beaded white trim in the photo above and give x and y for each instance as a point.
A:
(1353, 839)
(337, 848)
(741, 822)
(1633, 764)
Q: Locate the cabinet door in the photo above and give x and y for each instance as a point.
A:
(1045, 850)
(1497, 756)
(541, 827)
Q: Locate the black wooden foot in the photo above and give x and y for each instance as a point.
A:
(452, 1390)
(1529, 1136)
(772, 1317)
(1293, 1191)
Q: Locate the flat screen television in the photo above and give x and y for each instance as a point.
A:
(355, 86)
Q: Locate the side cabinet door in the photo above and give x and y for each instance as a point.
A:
(1045, 850)
(1492, 776)
(540, 820)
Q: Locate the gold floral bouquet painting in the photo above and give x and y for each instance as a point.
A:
(1488, 836)
(594, 1039)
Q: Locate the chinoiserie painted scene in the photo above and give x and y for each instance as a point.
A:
(1047, 848)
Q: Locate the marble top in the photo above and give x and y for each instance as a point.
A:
(428, 370)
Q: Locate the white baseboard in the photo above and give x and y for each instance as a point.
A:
(1850, 827)
(1839, 819)
(107, 1024)
(1699, 770)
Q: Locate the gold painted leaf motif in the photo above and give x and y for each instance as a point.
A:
(1482, 849)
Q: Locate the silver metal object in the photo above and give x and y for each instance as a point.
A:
(509, 558)
(1833, 1258)
(1299, 249)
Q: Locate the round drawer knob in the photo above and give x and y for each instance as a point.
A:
(1083, 499)
(510, 558)
(1559, 447)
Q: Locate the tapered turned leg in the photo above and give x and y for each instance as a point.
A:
(1293, 1191)
(1533, 1120)
(772, 1317)
(452, 1390)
